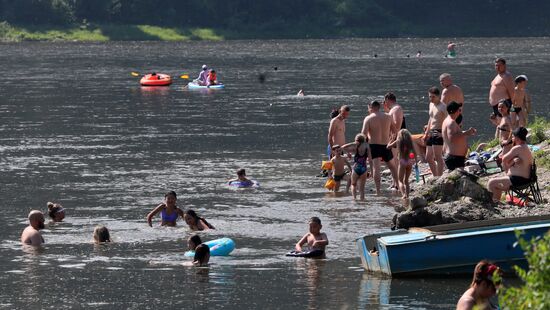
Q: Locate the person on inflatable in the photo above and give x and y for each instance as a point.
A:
(203, 75)
(212, 78)
(241, 178)
(315, 239)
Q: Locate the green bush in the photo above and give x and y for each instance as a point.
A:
(538, 129)
(535, 291)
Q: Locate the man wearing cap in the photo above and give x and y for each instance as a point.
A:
(517, 162)
(31, 234)
(203, 75)
(337, 128)
(454, 138)
(522, 102)
(502, 86)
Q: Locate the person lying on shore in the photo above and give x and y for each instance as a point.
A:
(31, 234)
(169, 212)
(196, 222)
(517, 162)
(314, 239)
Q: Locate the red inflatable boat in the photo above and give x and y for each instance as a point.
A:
(156, 79)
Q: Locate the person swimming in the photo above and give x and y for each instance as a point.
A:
(168, 210)
(193, 242)
(196, 222)
(202, 255)
(101, 234)
(241, 180)
(56, 212)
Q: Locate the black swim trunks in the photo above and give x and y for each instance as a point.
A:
(519, 181)
(380, 150)
(516, 109)
(452, 161)
(338, 178)
(435, 138)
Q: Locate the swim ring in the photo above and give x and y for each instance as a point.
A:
(218, 247)
(158, 79)
(244, 184)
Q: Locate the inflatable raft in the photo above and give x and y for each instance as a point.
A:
(241, 184)
(156, 79)
(193, 85)
(218, 247)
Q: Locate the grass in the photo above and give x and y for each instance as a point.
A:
(542, 159)
(538, 130)
(98, 33)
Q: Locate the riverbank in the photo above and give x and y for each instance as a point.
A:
(457, 197)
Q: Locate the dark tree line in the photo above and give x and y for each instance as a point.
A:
(387, 17)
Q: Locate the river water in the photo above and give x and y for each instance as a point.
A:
(76, 128)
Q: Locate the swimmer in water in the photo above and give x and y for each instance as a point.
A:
(202, 255)
(241, 178)
(169, 212)
(196, 222)
(300, 93)
(101, 234)
(56, 212)
(193, 242)
(315, 239)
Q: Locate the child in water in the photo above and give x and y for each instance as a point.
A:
(56, 212)
(361, 170)
(241, 179)
(339, 164)
(407, 159)
(196, 222)
(101, 234)
(169, 212)
(202, 255)
(315, 239)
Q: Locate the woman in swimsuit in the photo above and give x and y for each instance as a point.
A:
(196, 222)
(359, 173)
(407, 158)
(169, 212)
(504, 127)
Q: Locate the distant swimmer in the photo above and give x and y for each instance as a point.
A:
(31, 234)
(193, 242)
(337, 128)
(418, 54)
(377, 127)
(241, 180)
(169, 212)
(101, 234)
(56, 212)
(300, 93)
(203, 75)
(451, 50)
(314, 239)
(451, 92)
(196, 222)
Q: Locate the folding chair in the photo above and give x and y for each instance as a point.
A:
(530, 191)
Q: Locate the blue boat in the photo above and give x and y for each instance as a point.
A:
(449, 249)
(193, 85)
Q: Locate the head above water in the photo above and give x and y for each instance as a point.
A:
(56, 211)
(36, 219)
(101, 234)
(193, 242)
(241, 172)
(315, 225)
(202, 255)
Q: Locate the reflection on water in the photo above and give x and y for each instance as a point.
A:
(108, 150)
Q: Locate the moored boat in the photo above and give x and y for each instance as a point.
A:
(449, 249)
(156, 79)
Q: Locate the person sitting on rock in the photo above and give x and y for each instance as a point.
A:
(517, 162)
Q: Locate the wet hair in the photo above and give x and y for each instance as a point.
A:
(53, 208)
(374, 104)
(452, 107)
(361, 138)
(520, 78)
(202, 253)
(501, 60)
(241, 171)
(197, 218)
(434, 90)
(315, 219)
(484, 271)
(405, 143)
(101, 234)
(334, 113)
(196, 240)
(171, 193)
(521, 133)
(390, 96)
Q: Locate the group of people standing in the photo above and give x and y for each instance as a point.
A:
(384, 137)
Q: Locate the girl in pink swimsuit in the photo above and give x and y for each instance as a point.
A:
(407, 158)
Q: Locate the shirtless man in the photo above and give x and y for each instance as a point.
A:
(337, 129)
(451, 92)
(432, 136)
(517, 162)
(454, 138)
(522, 102)
(502, 86)
(31, 234)
(398, 119)
(377, 127)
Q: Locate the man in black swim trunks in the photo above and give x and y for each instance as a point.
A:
(517, 162)
(454, 138)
